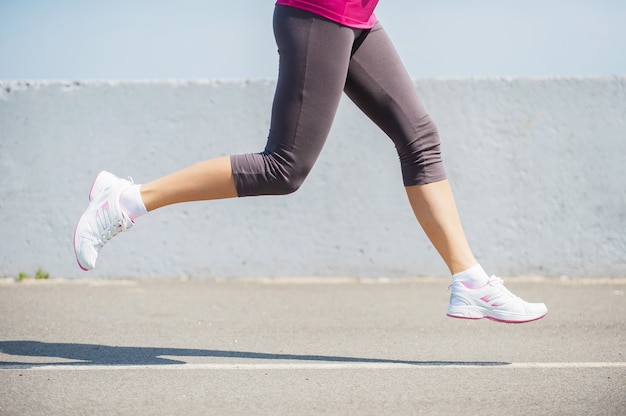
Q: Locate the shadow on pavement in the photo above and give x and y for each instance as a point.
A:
(93, 354)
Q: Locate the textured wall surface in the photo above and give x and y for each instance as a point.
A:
(538, 167)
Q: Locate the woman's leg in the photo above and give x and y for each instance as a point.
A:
(435, 209)
(210, 179)
(380, 86)
(314, 58)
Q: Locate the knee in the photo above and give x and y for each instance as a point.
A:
(288, 180)
(422, 144)
(421, 159)
(428, 133)
(269, 173)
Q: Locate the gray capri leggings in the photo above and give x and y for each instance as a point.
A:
(319, 60)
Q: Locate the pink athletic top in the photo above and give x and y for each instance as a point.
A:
(358, 14)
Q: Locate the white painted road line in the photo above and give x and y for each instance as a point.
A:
(81, 366)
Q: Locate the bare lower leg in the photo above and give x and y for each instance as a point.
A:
(210, 179)
(435, 209)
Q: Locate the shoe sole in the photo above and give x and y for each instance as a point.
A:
(90, 197)
(75, 251)
(505, 321)
(91, 202)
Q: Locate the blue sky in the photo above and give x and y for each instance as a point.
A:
(97, 39)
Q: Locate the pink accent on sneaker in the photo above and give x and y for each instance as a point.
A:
(487, 300)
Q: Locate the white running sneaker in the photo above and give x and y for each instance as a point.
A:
(102, 220)
(492, 301)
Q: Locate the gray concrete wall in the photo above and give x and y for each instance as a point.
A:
(537, 165)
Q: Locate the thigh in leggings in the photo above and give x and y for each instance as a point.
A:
(379, 85)
(314, 58)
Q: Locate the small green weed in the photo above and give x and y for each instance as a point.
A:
(39, 275)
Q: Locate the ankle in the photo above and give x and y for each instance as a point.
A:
(131, 202)
(473, 277)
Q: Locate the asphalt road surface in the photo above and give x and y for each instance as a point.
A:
(305, 347)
